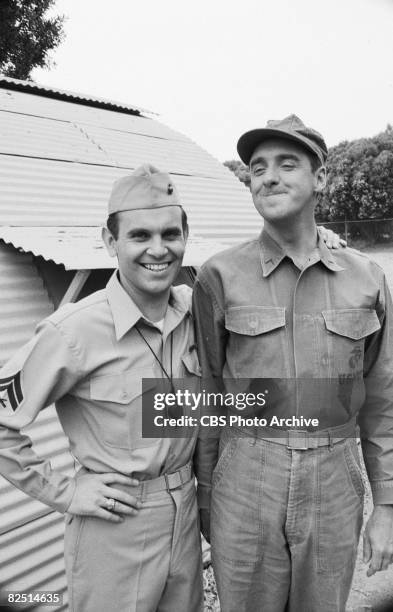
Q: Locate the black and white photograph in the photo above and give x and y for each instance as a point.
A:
(196, 315)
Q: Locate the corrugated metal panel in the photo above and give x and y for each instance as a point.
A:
(47, 138)
(31, 550)
(42, 192)
(48, 441)
(23, 300)
(32, 558)
(81, 248)
(36, 192)
(28, 104)
(56, 139)
(62, 94)
(77, 248)
(130, 150)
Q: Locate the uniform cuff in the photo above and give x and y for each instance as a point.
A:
(59, 498)
(382, 492)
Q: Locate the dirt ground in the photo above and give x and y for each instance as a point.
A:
(373, 594)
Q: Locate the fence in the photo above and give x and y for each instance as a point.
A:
(364, 233)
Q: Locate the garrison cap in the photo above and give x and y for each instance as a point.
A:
(146, 187)
(291, 128)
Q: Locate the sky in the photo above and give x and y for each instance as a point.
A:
(213, 69)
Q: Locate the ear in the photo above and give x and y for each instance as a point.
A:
(186, 234)
(320, 179)
(109, 242)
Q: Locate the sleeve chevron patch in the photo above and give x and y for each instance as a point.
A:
(11, 392)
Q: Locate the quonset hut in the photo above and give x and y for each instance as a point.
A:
(59, 154)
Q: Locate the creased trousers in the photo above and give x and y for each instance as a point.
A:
(151, 562)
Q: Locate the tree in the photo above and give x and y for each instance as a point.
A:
(240, 170)
(360, 180)
(27, 35)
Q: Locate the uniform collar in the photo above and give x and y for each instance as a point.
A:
(126, 313)
(272, 254)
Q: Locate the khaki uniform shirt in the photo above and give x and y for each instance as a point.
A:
(89, 359)
(328, 326)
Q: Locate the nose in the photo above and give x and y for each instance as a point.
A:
(157, 249)
(270, 176)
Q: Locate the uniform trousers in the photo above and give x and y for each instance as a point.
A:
(151, 562)
(285, 525)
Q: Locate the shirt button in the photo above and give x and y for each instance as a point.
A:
(124, 395)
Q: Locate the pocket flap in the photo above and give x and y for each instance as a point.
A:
(191, 363)
(254, 320)
(354, 323)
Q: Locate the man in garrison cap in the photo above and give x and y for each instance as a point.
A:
(132, 542)
(283, 502)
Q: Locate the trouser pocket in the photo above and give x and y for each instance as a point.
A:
(340, 508)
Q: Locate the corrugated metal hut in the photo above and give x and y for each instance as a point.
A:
(59, 154)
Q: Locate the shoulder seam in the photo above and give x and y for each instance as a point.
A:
(79, 309)
(208, 290)
(66, 340)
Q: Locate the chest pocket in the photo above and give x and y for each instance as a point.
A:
(118, 402)
(255, 340)
(353, 323)
(348, 330)
(254, 320)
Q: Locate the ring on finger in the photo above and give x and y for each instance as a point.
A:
(110, 504)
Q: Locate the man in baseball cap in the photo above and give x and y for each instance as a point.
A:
(290, 128)
(286, 499)
(132, 541)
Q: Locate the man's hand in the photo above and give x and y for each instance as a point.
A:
(332, 240)
(92, 495)
(204, 517)
(378, 539)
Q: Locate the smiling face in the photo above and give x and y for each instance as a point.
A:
(283, 183)
(149, 247)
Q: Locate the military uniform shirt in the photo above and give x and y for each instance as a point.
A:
(325, 332)
(89, 359)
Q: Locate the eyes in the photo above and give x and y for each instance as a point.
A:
(143, 235)
(287, 166)
(172, 234)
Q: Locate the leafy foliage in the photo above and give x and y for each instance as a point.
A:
(240, 170)
(360, 179)
(26, 36)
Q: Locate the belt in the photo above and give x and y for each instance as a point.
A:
(301, 439)
(168, 482)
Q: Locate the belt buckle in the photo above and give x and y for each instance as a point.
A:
(178, 485)
(297, 439)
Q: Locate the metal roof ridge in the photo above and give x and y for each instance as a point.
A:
(70, 96)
